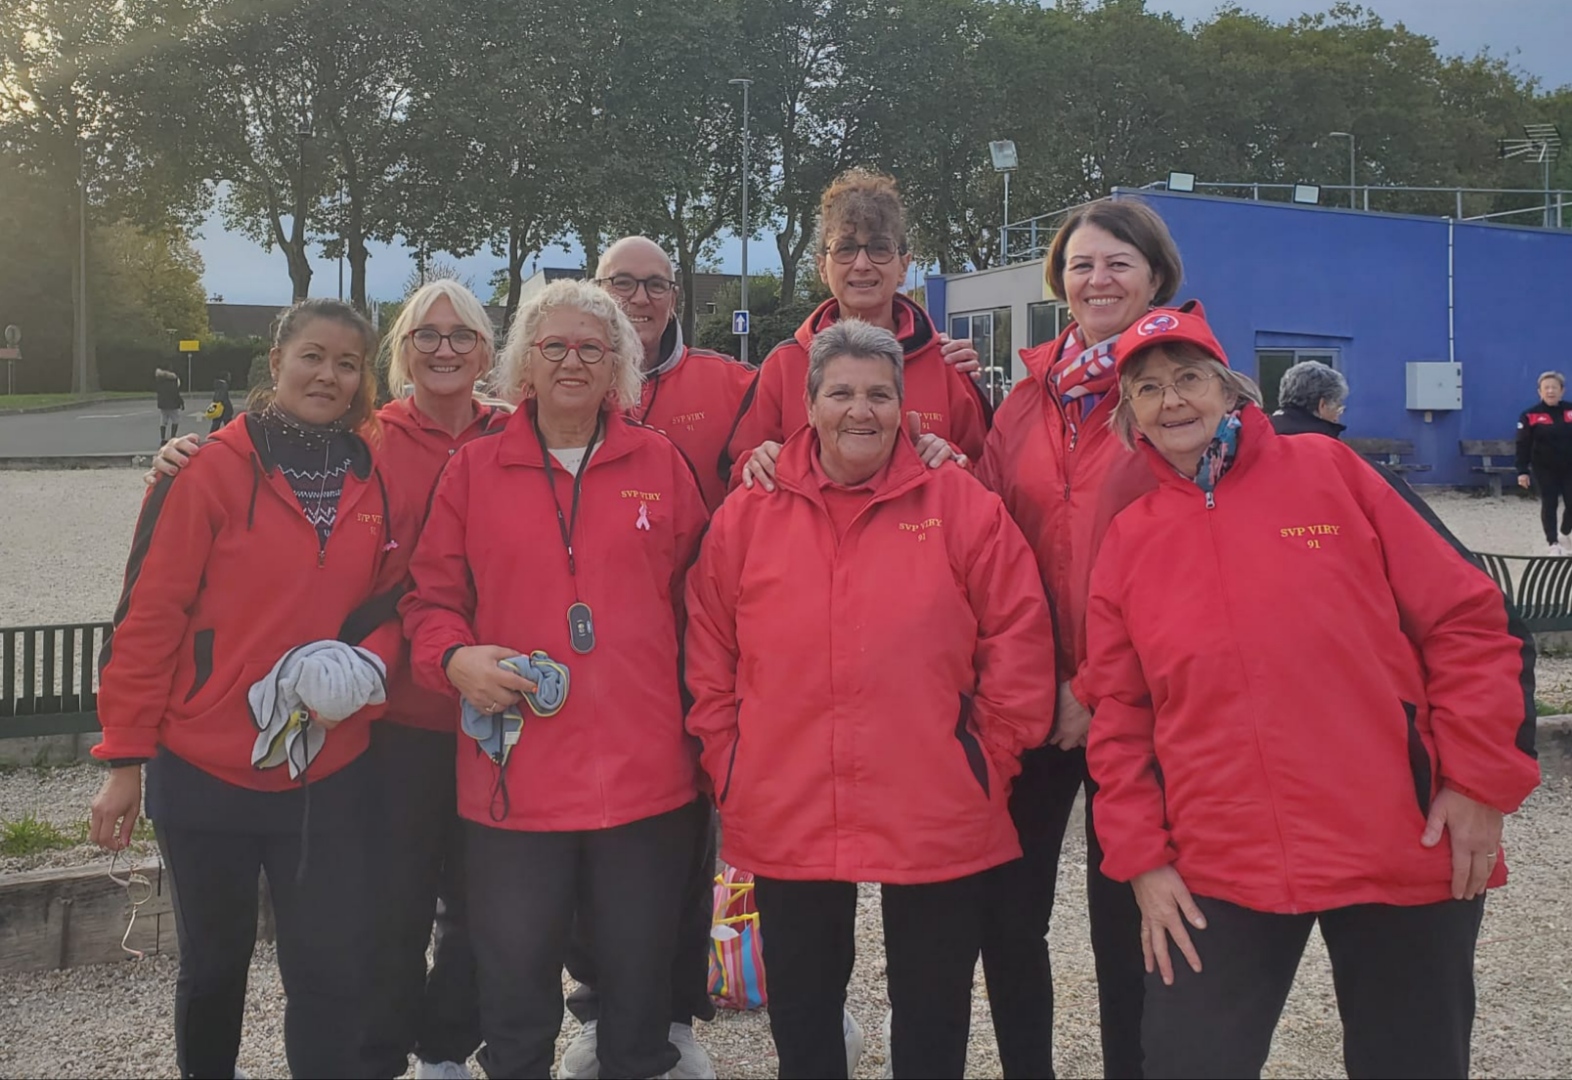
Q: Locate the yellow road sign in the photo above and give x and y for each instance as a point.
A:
(191, 345)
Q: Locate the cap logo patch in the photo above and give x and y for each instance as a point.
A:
(1157, 324)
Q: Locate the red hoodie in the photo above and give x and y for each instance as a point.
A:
(1286, 679)
(693, 396)
(224, 578)
(491, 569)
(864, 701)
(413, 453)
(948, 402)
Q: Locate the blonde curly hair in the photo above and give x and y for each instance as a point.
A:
(516, 363)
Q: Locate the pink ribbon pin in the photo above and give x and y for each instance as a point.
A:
(644, 518)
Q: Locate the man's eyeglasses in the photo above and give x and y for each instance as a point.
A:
(625, 285)
(556, 350)
(880, 250)
(1189, 385)
(460, 341)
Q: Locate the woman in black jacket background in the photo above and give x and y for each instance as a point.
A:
(1544, 451)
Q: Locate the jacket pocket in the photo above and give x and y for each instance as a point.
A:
(731, 759)
(202, 656)
(975, 759)
(1418, 760)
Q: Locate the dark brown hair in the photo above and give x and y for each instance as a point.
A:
(361, 416)
(1133, 222)
(861, 199)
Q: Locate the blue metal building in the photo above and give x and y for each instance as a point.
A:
(1367, 292)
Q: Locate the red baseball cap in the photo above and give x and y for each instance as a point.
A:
(1162, 326)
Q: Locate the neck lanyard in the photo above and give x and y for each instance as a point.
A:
(567, 523)
(654, 393)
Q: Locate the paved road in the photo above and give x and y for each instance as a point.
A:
(105, 427)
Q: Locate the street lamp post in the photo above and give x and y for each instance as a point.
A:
(1350, 137)
(745, 84)
(80, 335)
(1004, 160)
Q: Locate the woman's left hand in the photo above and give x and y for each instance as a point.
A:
(1476, 839)
(960, 355)
(933, 450)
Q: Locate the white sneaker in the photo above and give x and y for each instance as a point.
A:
(579, 1060)
(854, 1040)
(1557, 549)
(695, 1063)
(441, 1070)
(889, 1051)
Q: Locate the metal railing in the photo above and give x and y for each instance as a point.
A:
(1538, 587)
(49, 678)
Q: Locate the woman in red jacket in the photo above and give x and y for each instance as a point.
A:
(252, 645)
(570, 533)
(1050, 457)
(1290, 720)
(863, 259)
(440, 344)
(863, 649)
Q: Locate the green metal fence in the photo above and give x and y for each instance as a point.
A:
(48, 678)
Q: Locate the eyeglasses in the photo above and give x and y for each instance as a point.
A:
(1189, 385)
(880, 250)
(556, 350)
(460, 341)
(625, 285)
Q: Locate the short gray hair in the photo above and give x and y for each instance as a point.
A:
(1308, 383)
(626, 356)
(1556, 375)
(853, 337)
(1241, 387)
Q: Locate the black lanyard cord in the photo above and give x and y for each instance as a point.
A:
(567, 523)
(654, 394)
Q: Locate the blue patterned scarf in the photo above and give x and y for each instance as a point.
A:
(1218, 457)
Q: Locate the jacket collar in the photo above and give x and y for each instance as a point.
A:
(403, 412)
(794, 468)
(243, 439)
(1313, 424)
(913, 328)
(1255, 432)
(673, 349)
(520, 446)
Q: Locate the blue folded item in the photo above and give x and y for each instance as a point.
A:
(497, 733)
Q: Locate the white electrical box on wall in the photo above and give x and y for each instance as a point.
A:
(1435, 385)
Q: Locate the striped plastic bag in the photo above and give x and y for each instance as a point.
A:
(736, 950)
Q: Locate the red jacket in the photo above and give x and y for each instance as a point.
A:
(693, 396)
(491, 569)
(225, 578)
(1052, 486)
(949, 403)
(413, 453)
(1286, 680)
(863, 704)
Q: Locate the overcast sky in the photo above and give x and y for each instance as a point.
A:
(1533, 35)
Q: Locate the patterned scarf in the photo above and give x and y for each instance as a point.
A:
(1083, 376)
(1218, 457)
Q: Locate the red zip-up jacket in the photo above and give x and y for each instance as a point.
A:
(413, 453)
(491, 569)
(226, 575)
(863, 704)
(1286, 679)
(1051, 482)
(948, 402)
(693, 397)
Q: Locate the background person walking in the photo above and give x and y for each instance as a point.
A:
(1544, 452)
(167, 385)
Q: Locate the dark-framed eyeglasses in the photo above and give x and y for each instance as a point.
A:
(881, 249)
(461, 341)
(556, 350)
(1188, 384)
(626, 285)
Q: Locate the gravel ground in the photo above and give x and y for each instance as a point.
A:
(115, 1020)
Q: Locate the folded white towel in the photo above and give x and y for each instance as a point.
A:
(332, 679)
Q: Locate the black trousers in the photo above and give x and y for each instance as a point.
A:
(524, 888)
(931, 937)
(1404, 978)
(418, 876)
(1020, 901)
(690, 964)
(323, 942)
(1555, 487)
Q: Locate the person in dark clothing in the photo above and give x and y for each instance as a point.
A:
(167, 385)
(1311, 399)
(1544, 453)
(221, 399)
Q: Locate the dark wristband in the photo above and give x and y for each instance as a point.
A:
(447, 655)
(126, 762)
